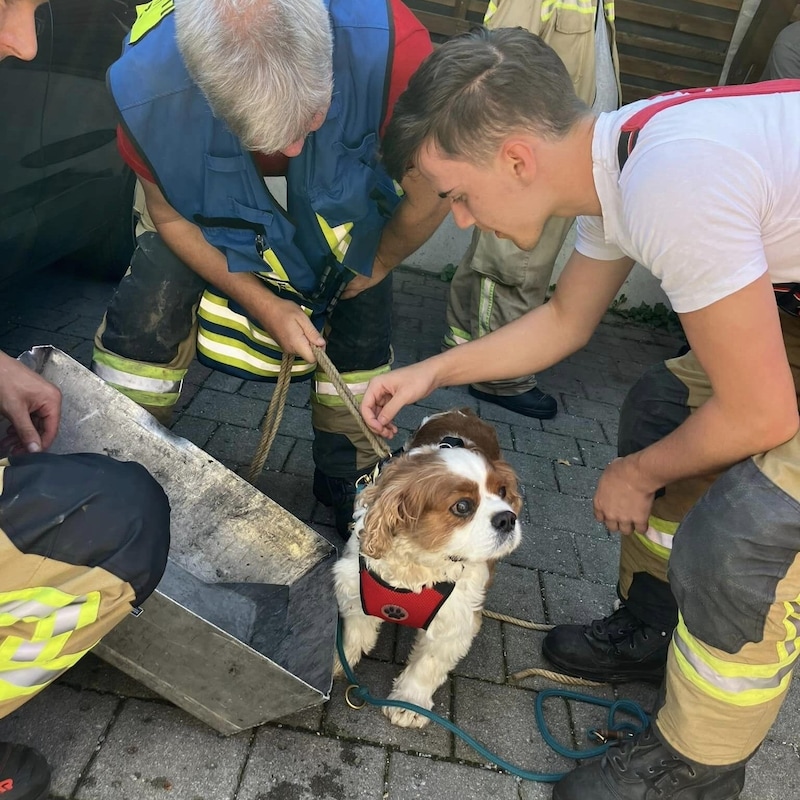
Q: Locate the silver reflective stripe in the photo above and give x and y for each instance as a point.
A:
(31, 676)
(120, 378)
(28, 651)
(726, 684)
(19, 609)
(663, 539)
(326, 387)
(67, 618)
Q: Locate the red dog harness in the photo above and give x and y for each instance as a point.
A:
(402, 606)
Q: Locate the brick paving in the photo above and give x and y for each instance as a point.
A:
(108, 737)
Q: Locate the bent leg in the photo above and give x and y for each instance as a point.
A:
(83, 541)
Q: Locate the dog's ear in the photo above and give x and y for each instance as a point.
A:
(392, 505)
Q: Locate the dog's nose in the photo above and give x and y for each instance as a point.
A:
(504, 521)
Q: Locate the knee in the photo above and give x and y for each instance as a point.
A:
(140, 531)
(655, 405)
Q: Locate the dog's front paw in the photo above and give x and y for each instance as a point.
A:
(404, 717)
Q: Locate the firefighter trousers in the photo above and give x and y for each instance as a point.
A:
(83, 541)
(721, 562)
(147, 341)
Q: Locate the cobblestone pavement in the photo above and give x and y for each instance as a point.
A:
(109, 738)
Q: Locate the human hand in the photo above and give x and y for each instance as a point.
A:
(31, 404)
(292, 329)
(386, 394)
(622, 502)
(361, 283)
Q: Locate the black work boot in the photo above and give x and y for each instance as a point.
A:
(338, 494)
(24, 774)
(614, 649)
(643, 768)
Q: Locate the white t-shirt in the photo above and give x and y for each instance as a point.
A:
(708, 200)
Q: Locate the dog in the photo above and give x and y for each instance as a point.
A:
(426, 535)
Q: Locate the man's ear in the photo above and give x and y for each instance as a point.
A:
(519, 157)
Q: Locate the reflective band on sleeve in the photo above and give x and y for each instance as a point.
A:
(738, 684)
(485, 306)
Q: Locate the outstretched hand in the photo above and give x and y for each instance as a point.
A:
(31, 404)
(387, 394)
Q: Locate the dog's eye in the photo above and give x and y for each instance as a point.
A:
(501, 492)
(462, 508)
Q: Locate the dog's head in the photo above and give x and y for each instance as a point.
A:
(450, 495)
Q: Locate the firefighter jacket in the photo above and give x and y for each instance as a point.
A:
(338, 196)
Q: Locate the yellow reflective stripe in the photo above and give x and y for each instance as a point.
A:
(549, 7)
(338, 238)
(737, 684)
(237, 354)
(158, 375)
(278, 276)
(148, 16)
(456, 336)
(215, 309)
(658, 536)
(609, 10)
(791, 624)
(485, 305)
(491, 10)
(55, 616)
(325, 392)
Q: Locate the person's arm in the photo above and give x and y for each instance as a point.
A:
(533, 342)
(283, 319)
(31, 404)
(753, 408)
(414, 221)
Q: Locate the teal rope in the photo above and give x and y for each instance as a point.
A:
(613, 706)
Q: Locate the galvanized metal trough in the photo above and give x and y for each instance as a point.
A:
(241, 629)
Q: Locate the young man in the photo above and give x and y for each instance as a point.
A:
(703, 188)
(496, 282)
(83, 538)
(214, 96)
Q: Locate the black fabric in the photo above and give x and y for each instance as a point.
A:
(153, 308)
(730, 553)
(24, 773)
(654, 406)
(88, 509)
(652, 601)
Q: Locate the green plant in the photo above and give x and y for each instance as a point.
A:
(657, 316)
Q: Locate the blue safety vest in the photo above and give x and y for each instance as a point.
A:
(338, 195)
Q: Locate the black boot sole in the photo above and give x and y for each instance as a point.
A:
(626, 675)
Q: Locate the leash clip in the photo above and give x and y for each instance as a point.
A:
(348, 699)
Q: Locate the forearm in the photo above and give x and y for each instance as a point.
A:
(711, 439)
(411, 225)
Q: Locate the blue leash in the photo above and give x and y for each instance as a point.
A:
(621, 729)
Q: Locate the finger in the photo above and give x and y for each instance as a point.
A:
(26, 434)
(48, 428)
(311, 333)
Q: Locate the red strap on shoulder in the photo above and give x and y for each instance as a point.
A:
(631, 127)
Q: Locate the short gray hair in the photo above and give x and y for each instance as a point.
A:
(265, 66)
(475, 90)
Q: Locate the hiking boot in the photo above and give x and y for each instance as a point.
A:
(338, 494)
(617, 648)
(24, 773)
(533, 403)
(643, 768)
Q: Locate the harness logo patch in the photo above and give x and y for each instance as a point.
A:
(395, 613)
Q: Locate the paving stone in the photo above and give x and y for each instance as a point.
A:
(300, 766)
(533, 472)
(546, 445)
(411, 778)
(597, 454)
(773, 773)
(591, 409)
(67, 726)
(91, 672)
(548, 549)
(515, 592)
(196, 430)
(575, 601)
(485, 657)
(369, 725)
(502, 719)
(223, 407)
(155, 748)
(223, 383)
(555, 510)
(576, 480)
(579, 427)
(599, 558)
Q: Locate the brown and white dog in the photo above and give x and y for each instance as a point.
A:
(426, 536)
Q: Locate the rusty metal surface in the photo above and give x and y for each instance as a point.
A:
(241, 628)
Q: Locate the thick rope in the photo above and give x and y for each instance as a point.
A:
(538, 672)
(272, 420)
